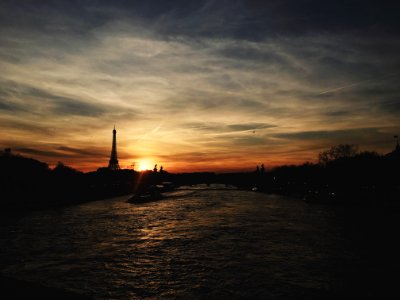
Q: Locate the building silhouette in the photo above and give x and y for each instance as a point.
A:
(113, 163)
(396, 152)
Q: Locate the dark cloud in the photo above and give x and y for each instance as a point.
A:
(51, 150)
(221, 127)
(51, 16)
(338, 113)
(249, 19)
(204, 126)
(249, 126)
(67, 106)
(40, 152)
(6, 105)
(348, 135)
(390, 106)
(43, 101)
(27, 126)
(82, 152)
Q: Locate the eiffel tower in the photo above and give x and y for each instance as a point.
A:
(113, 163)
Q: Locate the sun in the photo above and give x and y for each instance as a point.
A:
(143, 165)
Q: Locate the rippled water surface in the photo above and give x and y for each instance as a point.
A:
(197, 244)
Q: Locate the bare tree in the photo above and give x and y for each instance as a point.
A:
(336, 152)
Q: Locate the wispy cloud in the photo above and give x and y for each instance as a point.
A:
(199, 77)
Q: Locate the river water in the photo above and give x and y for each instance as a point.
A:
(198, 243)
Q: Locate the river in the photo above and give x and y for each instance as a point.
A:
(198, 243)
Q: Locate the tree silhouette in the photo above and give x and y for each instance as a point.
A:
(336, 152)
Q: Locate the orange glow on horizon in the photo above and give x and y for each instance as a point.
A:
(143, 165)
(187, 162)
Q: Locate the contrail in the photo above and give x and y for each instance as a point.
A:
(157, 128)
(357, 83)
(345, 87)
(154, 130)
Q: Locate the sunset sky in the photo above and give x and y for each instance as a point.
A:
(197, 85)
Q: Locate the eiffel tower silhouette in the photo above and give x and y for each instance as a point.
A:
(113, 163)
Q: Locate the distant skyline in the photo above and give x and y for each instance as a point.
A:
(197, 85)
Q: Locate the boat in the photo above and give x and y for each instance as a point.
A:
(152, 193)
(167, 186)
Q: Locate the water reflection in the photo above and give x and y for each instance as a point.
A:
(200, 244)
